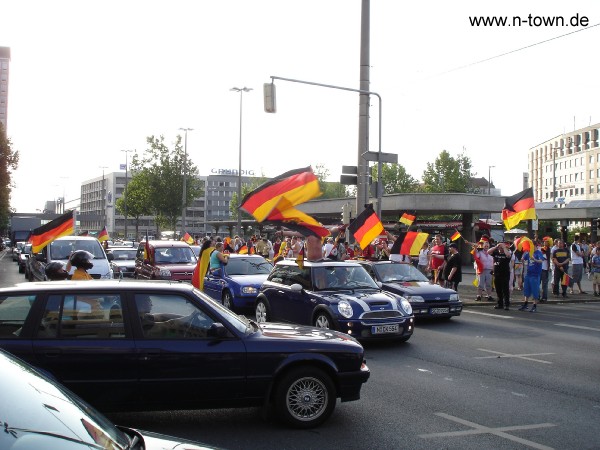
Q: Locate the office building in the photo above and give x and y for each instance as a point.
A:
(4, 66)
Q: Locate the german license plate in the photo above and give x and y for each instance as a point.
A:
(383, 329)
(440, 310)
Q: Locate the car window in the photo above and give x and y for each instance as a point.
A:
(83, 316)
(342, 277)
(13, 312)
(398, 272)
(124, 254)
(248, 266)
(167, 316)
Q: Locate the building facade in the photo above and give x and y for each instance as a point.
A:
(4, 66)
(566, 167)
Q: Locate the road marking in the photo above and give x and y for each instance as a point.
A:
(579, 327)
(500, 432)
(486, 314)
(508, 355)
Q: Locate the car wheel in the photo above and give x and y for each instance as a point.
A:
(305, 397)
(262, 311)
(21, 269)
(227, 300)
(323, 320)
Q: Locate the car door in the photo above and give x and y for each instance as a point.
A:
(287, 304)
(83, 340)
(214, 284)
(180, 364)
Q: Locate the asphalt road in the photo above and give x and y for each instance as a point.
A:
(487, 379)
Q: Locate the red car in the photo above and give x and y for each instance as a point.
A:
(165, 260)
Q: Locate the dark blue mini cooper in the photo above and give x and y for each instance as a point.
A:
(336, 295)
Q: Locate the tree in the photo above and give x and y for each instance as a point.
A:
(448, 174)
(9, 161)
(330, 189)
(138, 198)
(163, 170)
(395, 179)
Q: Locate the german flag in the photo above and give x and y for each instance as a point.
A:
(187, 238)
(201, 268)
(566, 280)
(366, 227)
(455, 236)
(298, 186)
(407, 219)
(409, 243)
(103, 235)
(286, 215)
(518, 207)
(61, 226)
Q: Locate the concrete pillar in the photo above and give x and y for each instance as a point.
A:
(468, 233)
(594, 231)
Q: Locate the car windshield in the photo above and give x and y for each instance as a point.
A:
(241, 323)
(398, 272)
(124, 254)
(248, 266)
(342, 277)
(62, 248)
(174, 255)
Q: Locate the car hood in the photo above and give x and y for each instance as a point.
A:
(418, 288)
(369, 299)
(157, 441)
(285, 331)
(177, 267)
(250, 280)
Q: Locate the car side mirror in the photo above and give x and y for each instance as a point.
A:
(110, 257)
(217, 330)
(380, 284)
(296, 287)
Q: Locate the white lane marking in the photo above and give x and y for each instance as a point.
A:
(508, 355)
(500, 432)
(579, 327)
(486, 314)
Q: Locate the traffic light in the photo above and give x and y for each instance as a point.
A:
(269, 97)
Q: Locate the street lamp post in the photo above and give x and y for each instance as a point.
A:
(239, 190)
(126, 182)
(489, 178)
(183, 198)
(103, 196)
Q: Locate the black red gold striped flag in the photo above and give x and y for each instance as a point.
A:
(455, 236)
(103, 235)
(61, 226)
(407, 219)
(366, 227)
(286, 215)
(519, 207)
(409, 243)
(201, 268)
(298, 186)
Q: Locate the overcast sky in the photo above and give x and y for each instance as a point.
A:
(88, 79)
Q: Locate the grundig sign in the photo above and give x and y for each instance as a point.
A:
(249, 173)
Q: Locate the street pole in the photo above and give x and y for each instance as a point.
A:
(362, 179)
(490, 178)
(126, 182)
(183, 198)
(239, 187)
(103, 197)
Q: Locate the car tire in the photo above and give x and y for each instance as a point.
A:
(262, 311)
(21, 269)
(323, 319)
(227, 300)
(305, 397)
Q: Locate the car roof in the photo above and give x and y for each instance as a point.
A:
(76, 238)
(166, 244)
(98, 285)
(317, 263)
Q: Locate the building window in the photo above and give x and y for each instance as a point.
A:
(576, 176)
(591, 173)
(591, 189)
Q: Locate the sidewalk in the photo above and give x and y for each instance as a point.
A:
(468, 292)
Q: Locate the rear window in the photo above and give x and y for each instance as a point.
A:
(62, 248)
(13, 312)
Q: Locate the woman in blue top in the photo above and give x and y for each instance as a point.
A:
(217, 258)
(533, 274)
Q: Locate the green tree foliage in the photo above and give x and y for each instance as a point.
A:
(330, 189)
(163, 170)
(395, 179)
(9, 161)
(138, 199)
(448, 174)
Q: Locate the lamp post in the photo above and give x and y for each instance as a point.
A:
(126, 181)
(489, 178)
(239, 190)
(103, 196)
(183, 198)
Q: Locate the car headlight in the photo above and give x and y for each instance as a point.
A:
(406, 306)
(249, 290)
(345, 309)
(164, 273)
(454, 297)
(415, 298)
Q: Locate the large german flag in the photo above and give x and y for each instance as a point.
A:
(518, 207)
(61, 226)
(286, 215)
(298, 186)
(409, 243)
(366, 227)
(201, 268)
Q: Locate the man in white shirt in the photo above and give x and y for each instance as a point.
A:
(577, 255)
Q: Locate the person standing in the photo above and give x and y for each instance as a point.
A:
(453, 268)
(577, 255)
(531, 281)
(423, 261)
(502, 255)
(438, 259)
(595, 271)
(484, 265)
(547, 257)
(560, 262)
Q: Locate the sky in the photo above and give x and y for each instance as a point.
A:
(89, 79)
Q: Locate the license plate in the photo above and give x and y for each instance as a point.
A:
(440, 310)
(383, 329)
